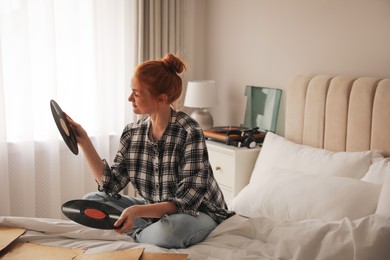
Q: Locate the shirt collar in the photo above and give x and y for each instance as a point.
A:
(171, 122)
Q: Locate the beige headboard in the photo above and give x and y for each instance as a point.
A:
(339, 113)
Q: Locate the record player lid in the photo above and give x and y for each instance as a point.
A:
(262, 108)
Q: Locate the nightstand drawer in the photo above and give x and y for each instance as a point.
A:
(223, 168)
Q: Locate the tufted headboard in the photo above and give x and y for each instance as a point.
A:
(339, 113)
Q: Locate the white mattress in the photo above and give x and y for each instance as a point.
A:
(236, 238)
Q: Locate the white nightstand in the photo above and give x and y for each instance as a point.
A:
(232, 166)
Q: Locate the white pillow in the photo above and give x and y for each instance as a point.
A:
(384, 199)
(378, 170)
(278, 152)
(294, 196)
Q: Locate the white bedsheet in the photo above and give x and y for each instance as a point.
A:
(367, 238)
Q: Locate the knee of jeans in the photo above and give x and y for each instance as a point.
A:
(174, 226)
(174, 234)
(165, 234)
(93, 196)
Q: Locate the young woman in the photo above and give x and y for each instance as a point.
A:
(164, 156)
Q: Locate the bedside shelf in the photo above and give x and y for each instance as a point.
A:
(232, 166)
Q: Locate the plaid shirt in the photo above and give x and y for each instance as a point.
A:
(176, 168)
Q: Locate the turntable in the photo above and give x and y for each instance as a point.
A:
(261, 116)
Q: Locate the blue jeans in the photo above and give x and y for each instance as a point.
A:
(171, 231)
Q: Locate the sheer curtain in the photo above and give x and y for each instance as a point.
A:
(81, 54)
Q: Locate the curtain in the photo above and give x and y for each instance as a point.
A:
(159, 28)
(159, 31)
(81, 54)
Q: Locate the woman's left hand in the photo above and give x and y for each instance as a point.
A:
(126, 220)
(156, 210)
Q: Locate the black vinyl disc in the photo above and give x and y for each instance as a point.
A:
(225, 129)
(64, 127)
(91, 213)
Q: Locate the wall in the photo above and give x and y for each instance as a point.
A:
(266, 43)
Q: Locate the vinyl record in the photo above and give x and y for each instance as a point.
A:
(64, 127)
(91, 213)
(225, 129)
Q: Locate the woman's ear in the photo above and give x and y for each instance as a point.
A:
(162, 98)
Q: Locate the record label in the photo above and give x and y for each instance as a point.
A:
(94, 213)
(64, 127)
(91, 213)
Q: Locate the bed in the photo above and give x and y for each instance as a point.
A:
(320, 192)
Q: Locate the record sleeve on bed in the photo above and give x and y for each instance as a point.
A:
(7, 236)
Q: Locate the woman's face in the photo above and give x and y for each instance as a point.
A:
(142, 100)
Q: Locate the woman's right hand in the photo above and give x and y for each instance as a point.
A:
(81, 135)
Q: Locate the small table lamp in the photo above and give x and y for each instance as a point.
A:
(201, 94)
